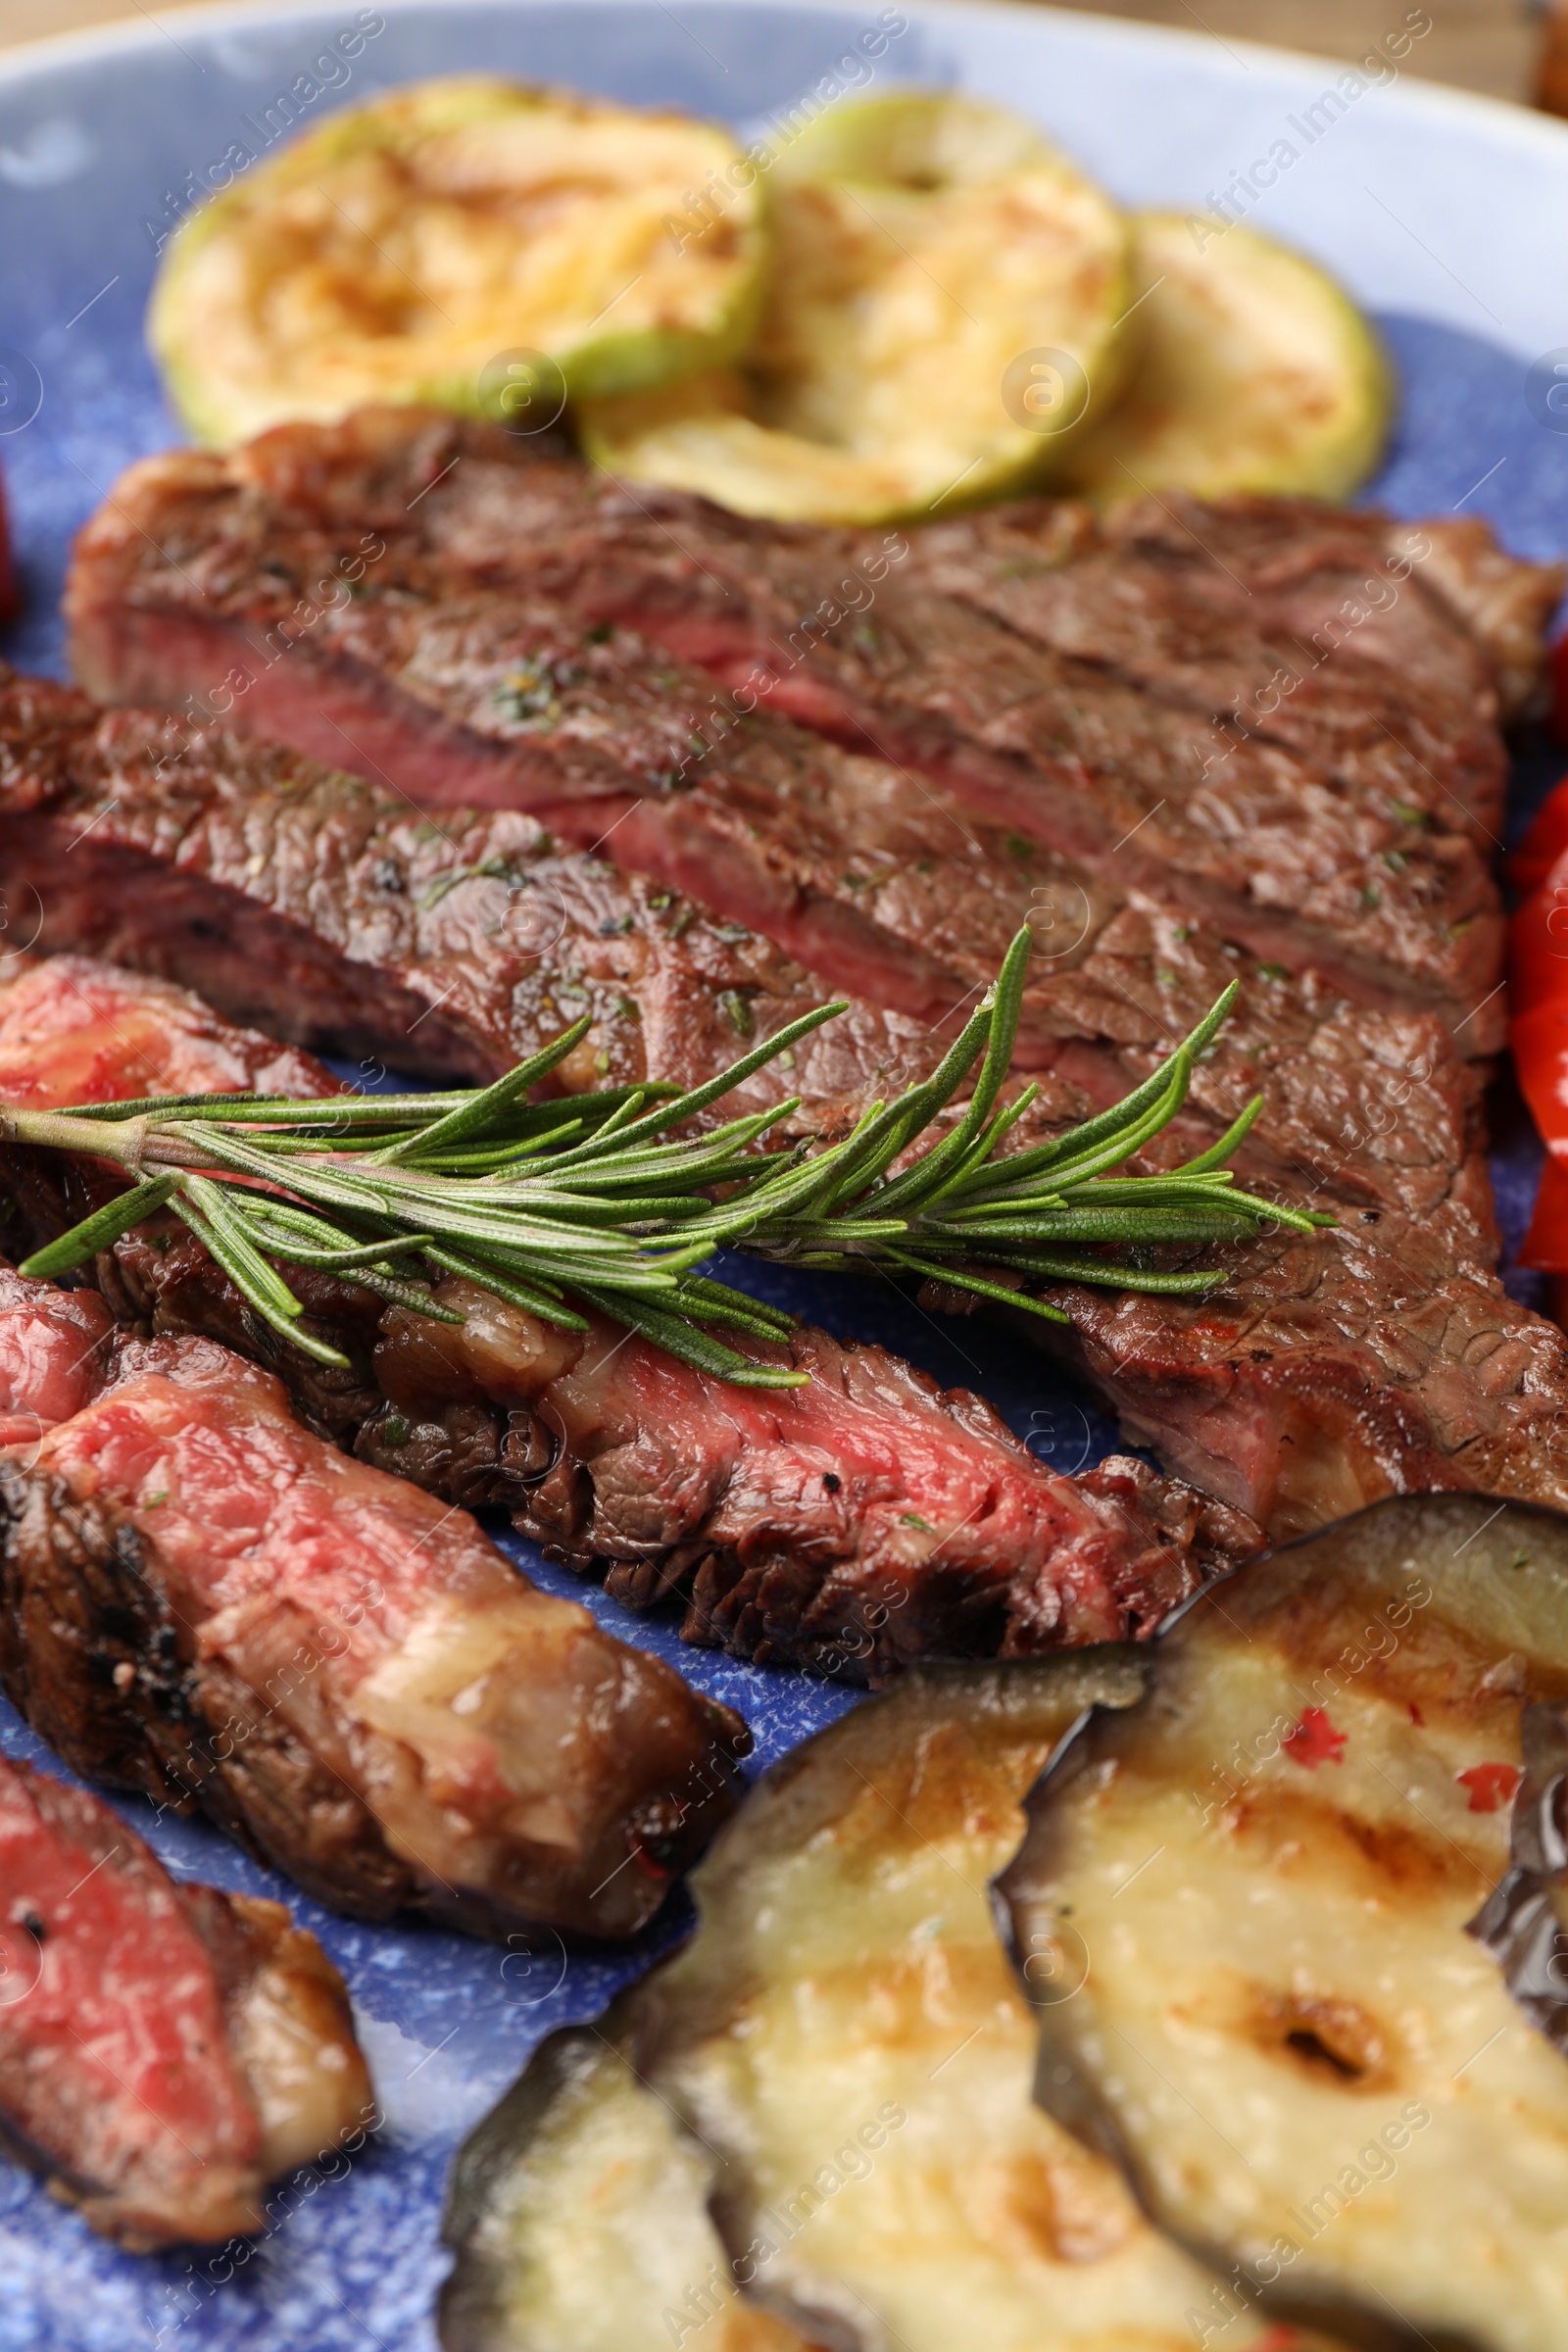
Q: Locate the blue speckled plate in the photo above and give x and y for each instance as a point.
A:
(1444, 214)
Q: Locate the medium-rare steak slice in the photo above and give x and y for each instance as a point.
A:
(1343, 842)
(334, 915)
(1380, 1355)
(852, 1526)
(165, 2050)
(75, 1031)
(878, 880)
(60, 1347)
(202, 1602)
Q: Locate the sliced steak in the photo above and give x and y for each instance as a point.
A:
(1368, 871)
(336, 916)
(851, 1527)
(75, 1031)
(202, 1602)
(854, 1524)
(1340, 837)
(59, 1348)
(1369, 650)
(881, 882)
(1379, 1355)
(165, 2050)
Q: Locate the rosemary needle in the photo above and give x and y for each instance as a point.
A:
(611, 1200)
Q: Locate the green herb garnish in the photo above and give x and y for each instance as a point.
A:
(599, 1201)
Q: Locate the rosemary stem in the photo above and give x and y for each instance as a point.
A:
(611, 1202)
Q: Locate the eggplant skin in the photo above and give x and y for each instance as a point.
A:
(580, 2212)
(813, 2127)
(1524, 1921)
(474, 2311)
(1291, 2033)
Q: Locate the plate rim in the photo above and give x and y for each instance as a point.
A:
(93, 44)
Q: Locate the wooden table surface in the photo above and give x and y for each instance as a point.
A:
(1480, 44)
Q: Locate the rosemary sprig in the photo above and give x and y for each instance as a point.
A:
(600, 1199)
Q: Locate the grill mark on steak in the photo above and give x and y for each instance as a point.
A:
(202, 1602)
(1334, 840)
(1312, 628)
(879, 881)
(172, 2048)
(298, 899)
(1289, 861)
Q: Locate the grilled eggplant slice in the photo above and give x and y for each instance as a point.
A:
(943, 314)
(1254, 371)
(479, 244)
(838, 2069)
(1314, 2075)
(581, 2209)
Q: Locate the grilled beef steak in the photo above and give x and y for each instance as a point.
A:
(201, 1600)
(165, 2050)
(1380, 1355)
(60, 1347)
(75, 1031)
(879, 881)
(850, 1526)
(336, 916)
(1278, 716)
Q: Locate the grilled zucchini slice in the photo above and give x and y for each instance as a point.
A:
(943, 314)
(849, 2059)
(1315, 2074)
(1254, 371)
(397, 251)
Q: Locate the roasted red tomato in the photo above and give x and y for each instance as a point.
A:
(1537, 995)
(1544, 843)
(1537, 950)
(1539, 1040)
